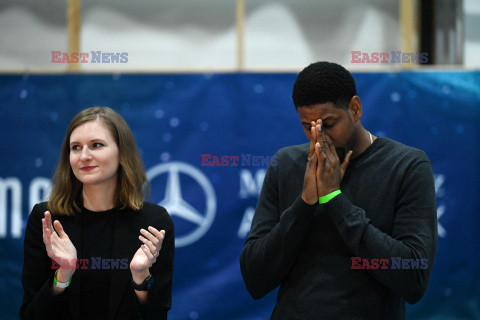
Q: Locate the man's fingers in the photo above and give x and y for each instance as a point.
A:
(345, 163)
(314, 159)
(328, 147)
(320, 166)
(322, 145)
(311, 151)
(318, 130)
(312, 163)
(320, 159)
(331, 146)
(321, 156)
(347, 160)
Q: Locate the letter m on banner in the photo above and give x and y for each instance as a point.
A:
(250, 186)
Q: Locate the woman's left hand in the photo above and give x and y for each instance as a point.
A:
(148, 252)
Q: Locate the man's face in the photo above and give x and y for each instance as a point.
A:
(336, 122)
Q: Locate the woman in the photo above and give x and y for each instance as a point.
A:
(96, 250)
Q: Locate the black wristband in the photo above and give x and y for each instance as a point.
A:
(145, 285)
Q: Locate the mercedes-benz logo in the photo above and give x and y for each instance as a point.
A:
(177, 206)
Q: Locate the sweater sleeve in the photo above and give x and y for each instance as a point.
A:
(275, 238)
(413, 236)
(37, 274)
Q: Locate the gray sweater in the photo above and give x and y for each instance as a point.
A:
(386, 210)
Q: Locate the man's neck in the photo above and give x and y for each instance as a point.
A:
(364, 141)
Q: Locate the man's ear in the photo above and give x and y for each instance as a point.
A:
(355, 108)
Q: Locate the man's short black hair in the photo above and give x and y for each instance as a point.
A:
(323, 82)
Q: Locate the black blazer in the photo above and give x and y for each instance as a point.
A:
(37, 275)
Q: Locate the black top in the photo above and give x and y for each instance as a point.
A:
(386, 210)
(103, 289)
(97, 237)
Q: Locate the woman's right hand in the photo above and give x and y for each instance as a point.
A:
(59, 247)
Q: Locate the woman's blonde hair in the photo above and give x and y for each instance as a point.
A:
(132, 185)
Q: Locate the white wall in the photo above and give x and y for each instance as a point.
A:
(181, 35)
(472, 33)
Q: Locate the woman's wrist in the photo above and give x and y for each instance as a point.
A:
(64, 275)
(139, 277)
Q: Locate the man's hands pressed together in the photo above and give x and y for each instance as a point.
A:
(309, 192)
(324, 172)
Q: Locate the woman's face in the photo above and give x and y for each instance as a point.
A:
(94, 155)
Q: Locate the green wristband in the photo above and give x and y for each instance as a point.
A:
(60, 284)
(328, 197)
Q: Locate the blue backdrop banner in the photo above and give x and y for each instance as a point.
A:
(206, 141)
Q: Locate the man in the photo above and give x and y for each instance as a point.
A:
(346, 224)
